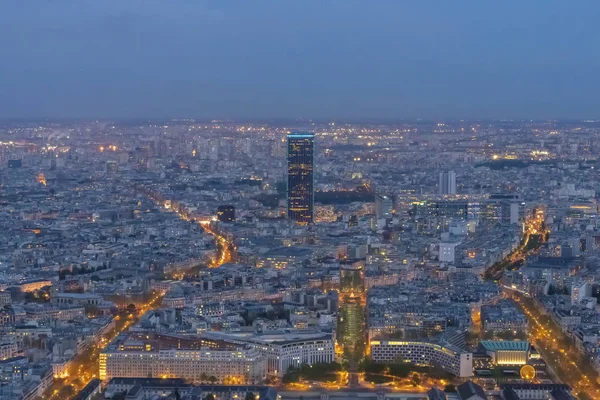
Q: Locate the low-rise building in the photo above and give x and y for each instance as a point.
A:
(506, 352)
(284, 350)
(457, 362)
(196, 362)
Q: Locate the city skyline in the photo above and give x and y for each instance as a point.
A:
(421, 254)
(286, 200)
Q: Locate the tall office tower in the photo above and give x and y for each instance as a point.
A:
(300, 188)
(351, 333)
(384, 206)
(447, 182)
(226, 213)
(112, 167)
(506, 209)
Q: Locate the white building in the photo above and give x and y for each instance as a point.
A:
(515, 213)
(240, 366)
(580, 290)
(80, 299)
(453, 360)
(8, 348)
(458, 228)
(448, 251)
(448, 183)
(60, 368)
(284, 350)
(384, 207)
(5, 298)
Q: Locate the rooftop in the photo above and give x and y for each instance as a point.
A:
(499, 345)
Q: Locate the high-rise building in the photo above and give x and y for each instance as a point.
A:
(300, 187)
(351, 332)
(15, 163)
(384, 206)
(112, 167)
(447, 183)
(226, 213)
(505, 209)
(580, 290)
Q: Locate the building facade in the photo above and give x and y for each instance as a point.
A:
(351, 333)
(242, 366)
(300, 183)
(384, 206)
(506, 352)
(448, 183)
(285, 350)
(457, 362)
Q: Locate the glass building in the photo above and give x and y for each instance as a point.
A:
(226, 213)
(300, 188)
(351, 331)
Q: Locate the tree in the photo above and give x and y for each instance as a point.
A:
(399, 370)
(415, 380)
(250, 396)
(346, 365)
(210, 396)
(67, 392)
(203, 377)
(449, 388)
(471, 338)
(212, 379)
(271, 380)
(291, 376)
(375, 368)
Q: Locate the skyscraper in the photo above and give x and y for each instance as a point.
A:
(226, 213)
(351, 314)
(447, 183)
(384, 206)
(300, 188)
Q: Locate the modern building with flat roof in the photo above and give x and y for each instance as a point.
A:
(161, 357)
(506, 352)
(456, 361)
(285, 349)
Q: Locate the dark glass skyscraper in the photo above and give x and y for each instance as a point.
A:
(300, 188)
(226, 213)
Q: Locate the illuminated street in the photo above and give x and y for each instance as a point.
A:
(534, 235)
(84, 367)
(558, 350)
(224, 246)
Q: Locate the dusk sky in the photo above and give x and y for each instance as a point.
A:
(314, 59)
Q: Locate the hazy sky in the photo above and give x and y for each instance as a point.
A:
(303, 58)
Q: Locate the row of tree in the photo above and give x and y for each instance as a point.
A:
(324, 372)
(249, 396)
(63, 273)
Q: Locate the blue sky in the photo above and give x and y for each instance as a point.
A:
(285, 59)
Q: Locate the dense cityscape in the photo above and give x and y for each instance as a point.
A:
(300, 260)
